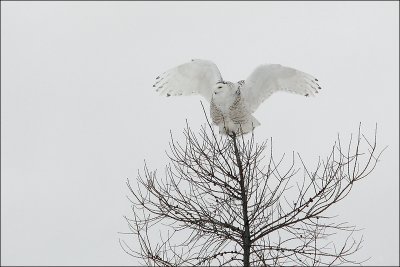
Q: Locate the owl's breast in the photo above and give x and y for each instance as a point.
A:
(223, 101)
(232, 110)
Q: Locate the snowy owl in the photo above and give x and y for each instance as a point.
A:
(232, 104)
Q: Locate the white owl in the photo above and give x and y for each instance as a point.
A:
(232, 104)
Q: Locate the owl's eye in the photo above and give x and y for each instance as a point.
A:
(219, 87)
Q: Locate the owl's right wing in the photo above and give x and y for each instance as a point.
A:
(195, 77)
(269, 78)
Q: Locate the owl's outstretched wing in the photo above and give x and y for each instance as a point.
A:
(269, 78)
(195, 77)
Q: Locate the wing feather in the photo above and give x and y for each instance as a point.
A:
(195, 77)
(269, 78)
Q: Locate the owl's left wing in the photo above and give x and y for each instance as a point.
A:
(269, 78)
(195, 77)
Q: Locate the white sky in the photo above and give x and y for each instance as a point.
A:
(79, 114)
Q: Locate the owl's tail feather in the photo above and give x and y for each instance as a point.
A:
(248, 126)
(239, 129)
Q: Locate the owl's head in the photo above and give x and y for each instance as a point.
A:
(223, 89)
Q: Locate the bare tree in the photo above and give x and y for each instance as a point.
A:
(227, 201)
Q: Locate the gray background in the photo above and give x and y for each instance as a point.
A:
(79, 114)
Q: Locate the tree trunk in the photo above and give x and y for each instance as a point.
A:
(246, 235)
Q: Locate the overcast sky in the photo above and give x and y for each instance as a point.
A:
(79, 114)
